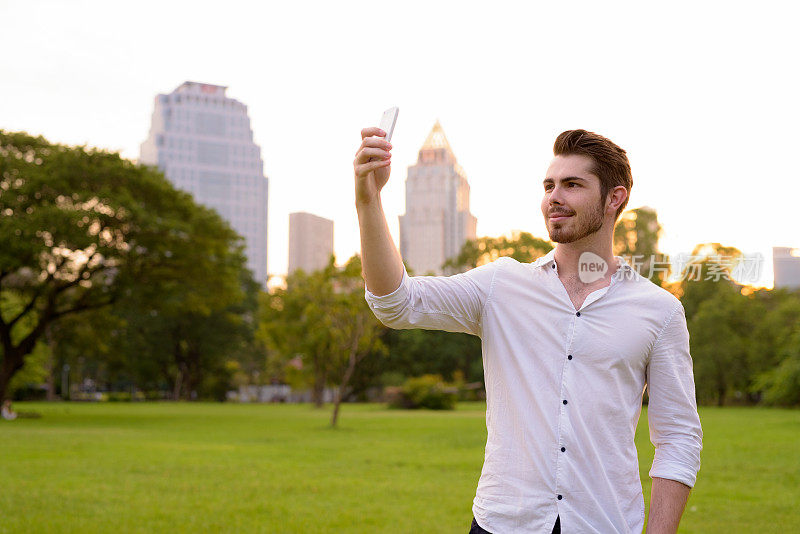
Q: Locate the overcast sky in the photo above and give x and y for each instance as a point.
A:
(702, 95)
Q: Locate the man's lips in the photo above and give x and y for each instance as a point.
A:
(559, 216)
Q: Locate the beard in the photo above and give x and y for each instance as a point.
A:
(580, 226)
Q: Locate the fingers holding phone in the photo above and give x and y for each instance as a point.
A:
(373, 160)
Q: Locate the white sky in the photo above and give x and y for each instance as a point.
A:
(703, 96)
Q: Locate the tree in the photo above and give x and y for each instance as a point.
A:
(778, 314)
(775, 352)
(636, 238)
(289, 326)
(732, 328)
(781, 385)
(418, 352)
(81, 228)
(322, 327)
(355, 330)
(707, 273)
(719, 339)
(86, 343)
(521, 246)
(177, 336)
(714, 309)
(192, 330)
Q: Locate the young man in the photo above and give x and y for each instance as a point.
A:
(567, 352)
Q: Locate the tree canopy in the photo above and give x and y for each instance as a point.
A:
(522, 246)
(83, 228)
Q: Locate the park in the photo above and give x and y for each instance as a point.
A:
(567, 254)
(211, 467)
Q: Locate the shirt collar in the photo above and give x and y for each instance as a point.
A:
(548, 261)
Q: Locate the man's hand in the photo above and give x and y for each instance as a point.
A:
(667, 501)
(372, 165)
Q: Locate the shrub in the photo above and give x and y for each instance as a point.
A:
(155, 395)
(427, 391)
(119, 396)
(123, 396)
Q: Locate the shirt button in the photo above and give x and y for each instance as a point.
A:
(578, 314)
(563, 449)
(569, 357)
(565, 401)
(560, 497)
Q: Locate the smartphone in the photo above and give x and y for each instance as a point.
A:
(388, 121)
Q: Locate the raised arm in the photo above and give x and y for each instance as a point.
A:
(381, 263)
(451, 303)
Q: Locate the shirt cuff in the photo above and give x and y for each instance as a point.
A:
(674, 471)
(398, 296)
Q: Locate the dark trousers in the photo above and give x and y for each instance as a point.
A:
(476, 528)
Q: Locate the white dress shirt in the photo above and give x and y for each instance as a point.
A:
(564, 389)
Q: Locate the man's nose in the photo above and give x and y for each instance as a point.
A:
(556, 195)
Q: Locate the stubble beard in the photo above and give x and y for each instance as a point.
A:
(582, 226)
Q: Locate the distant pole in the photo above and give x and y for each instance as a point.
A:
(65, 382)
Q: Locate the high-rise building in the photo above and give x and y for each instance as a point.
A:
(437, 221)
(786, 267)
(310, 242)
(202, 141)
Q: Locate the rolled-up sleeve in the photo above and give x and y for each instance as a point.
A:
(675, 429)
(450, 303)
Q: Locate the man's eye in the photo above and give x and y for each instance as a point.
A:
(572, 183)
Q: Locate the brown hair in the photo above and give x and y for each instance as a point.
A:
(610, 162)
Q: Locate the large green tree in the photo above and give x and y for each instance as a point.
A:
(83, 228)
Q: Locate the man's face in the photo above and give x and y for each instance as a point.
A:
(571, 205)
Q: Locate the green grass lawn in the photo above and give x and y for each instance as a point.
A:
(163, 467)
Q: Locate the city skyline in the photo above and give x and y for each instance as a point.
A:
(706, 119)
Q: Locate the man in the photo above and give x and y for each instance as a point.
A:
(569, 343)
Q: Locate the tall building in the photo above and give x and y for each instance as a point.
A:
(202, 141)
(437, 221)
(310, 242)
(786, 267)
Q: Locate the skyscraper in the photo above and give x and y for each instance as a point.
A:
(786, 267)
(202, 141)
(310, 242)
(437, 221)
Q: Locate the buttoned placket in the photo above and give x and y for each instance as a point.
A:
(592, 297)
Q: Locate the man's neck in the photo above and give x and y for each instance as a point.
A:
(568, 256)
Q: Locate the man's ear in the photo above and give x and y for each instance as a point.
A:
(616, 197)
